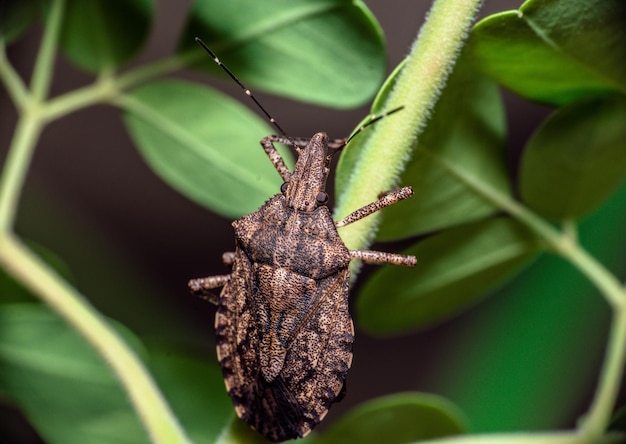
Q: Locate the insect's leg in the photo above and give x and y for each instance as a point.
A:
(228, 258)
(201, 287)
(268, 145)
(337, 144)
(384, 201)
(381, 257)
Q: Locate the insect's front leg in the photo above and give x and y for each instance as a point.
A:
(387, 199)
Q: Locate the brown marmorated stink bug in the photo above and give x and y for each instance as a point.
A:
(284, 334)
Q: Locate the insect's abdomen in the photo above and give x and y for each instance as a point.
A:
(284, 352)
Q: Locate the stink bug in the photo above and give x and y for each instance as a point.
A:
(283, 330)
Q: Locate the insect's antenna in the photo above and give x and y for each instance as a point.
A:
(373, 119)
(245, 90)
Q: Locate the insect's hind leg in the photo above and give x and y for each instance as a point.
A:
(202, 287)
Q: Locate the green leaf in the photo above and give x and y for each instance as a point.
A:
(576, 159)
(461, 146)
(16, 16)
(64, 388)
(555, 51)
(454, 270)
(204, 144)
(525, 358)
(103, 34)
(398, 418)
(195, 390)
(329, 52)
(238, 432)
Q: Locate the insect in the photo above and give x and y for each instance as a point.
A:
(283, 330)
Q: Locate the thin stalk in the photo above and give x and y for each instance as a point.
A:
(37, 276)
(16, 166)
(12, 81)
(42, 73)
(599, 415)
(107, 87)
(566, 245)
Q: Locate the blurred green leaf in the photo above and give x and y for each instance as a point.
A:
(576, 159)
(528, 358)
(60, 383)
(329, 52)
(238, 432)
(16, 16)
(204, 144)
(454, 270)
(104, 34)
(555, 51)
(398, 418)
(461, 145)
(195, 390)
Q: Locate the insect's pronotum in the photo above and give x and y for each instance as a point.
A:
(283, 330)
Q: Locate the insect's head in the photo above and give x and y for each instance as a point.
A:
(305, 190)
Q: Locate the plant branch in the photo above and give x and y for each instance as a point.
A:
(599, 416)
(42, 73)
(107, 87)
(422, 79)
(37, 276)
(16, 166)
(12, 81)
(566, 245)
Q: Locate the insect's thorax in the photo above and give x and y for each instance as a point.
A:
(303, 242)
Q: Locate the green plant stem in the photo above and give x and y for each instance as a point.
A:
(38, 277)
(599, 415)
(567, 246)
(27, 268)
(16, 165)
(107, 87)
(417, 90)
(42, 73)
(12, 81)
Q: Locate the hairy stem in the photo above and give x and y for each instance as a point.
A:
(422, 79)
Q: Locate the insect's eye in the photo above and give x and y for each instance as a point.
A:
(283, 187)
(322, 198)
